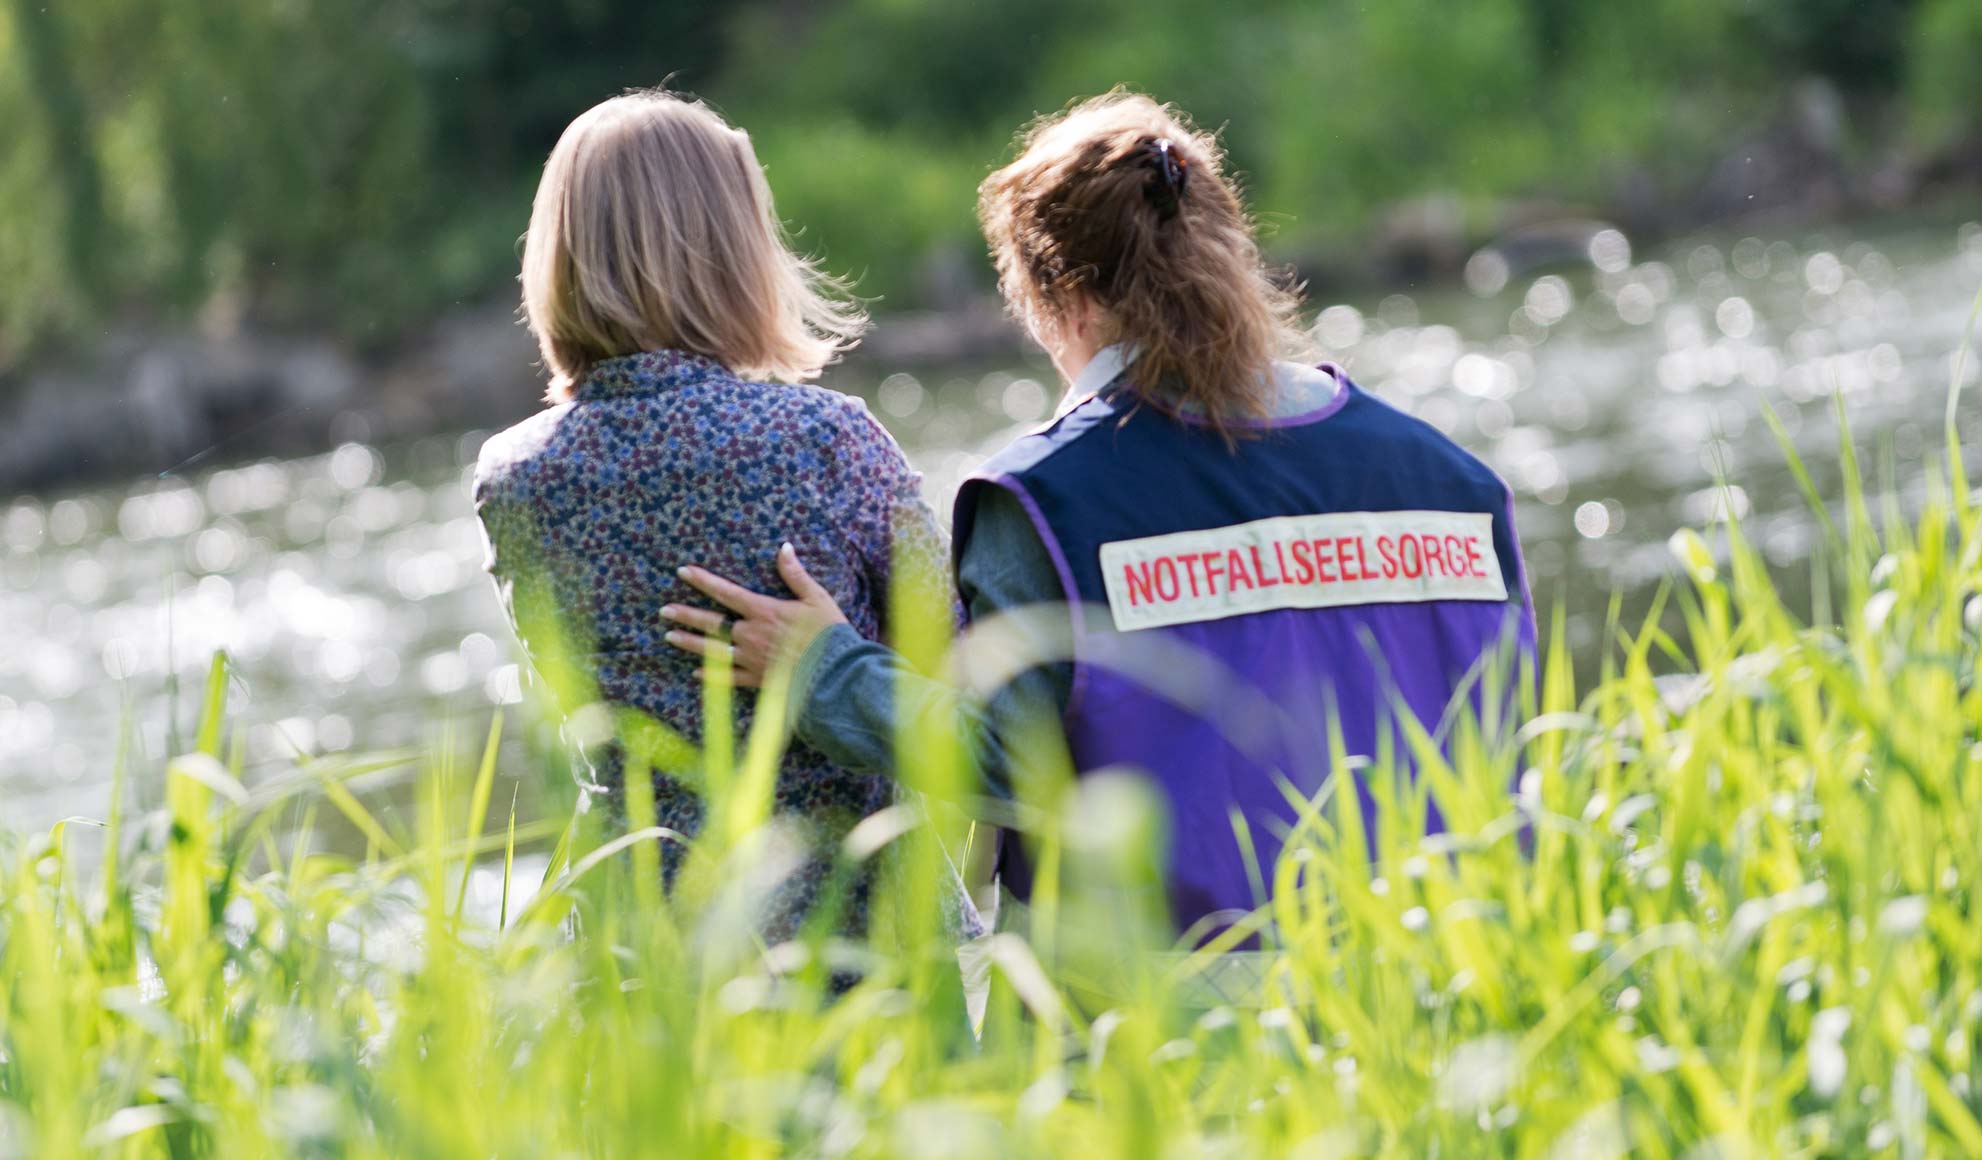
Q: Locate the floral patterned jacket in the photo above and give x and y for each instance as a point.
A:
(667, 458)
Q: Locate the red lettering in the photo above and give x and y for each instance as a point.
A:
(1280, 559)
(1259, 570)
(1324, 557)
(1235, 563)
(1435, 551)
(1362, 560)
(1190, 569)
(1138, 577)
(1455, 555)
(1375, 555)
(1303, 562)
(1342, 546)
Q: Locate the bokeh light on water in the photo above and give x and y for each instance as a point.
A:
(348, 587)
(1609, 392)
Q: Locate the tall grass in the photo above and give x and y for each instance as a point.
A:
(1728, 912)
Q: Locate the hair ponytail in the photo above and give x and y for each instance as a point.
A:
(1169, 177)
(1120, 200)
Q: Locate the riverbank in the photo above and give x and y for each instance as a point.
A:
(348, 585)
(146, 400)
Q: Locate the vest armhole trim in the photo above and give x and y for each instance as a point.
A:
(1063, 569)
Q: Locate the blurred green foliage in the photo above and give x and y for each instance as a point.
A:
(1945, 86)
(359, 165)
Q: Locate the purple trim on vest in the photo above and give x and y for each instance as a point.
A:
(1521, 571)
(1067, 585)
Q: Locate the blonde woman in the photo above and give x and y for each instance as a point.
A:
(680, 330)
(1245, 552)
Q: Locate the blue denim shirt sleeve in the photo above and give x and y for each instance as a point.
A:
(855, 686)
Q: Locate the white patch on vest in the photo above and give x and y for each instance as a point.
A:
(1320, 561)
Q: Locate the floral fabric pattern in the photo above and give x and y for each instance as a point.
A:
(667, 458)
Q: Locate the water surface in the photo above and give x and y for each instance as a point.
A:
(1610, 393)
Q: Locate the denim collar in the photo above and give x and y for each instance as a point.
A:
(1103, 369)
(1108, 364)
(648, 372)
(1293, 387)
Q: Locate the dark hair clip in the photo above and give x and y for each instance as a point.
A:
(1170, 174)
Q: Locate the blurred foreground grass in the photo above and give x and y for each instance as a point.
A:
(1731, 902)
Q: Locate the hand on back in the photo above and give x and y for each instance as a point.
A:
(765, 630)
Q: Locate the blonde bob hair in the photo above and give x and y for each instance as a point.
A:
(653, 228)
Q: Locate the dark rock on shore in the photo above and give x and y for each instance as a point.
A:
(144, 403)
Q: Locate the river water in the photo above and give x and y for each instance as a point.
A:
(348, 586)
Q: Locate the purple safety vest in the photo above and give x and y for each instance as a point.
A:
(1228, 600)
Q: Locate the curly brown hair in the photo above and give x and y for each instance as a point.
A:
(1122, 200)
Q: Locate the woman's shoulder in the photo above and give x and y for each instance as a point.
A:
(779, 409)
(1403, 441)
(824, 405)
(815, 431)
(826, 435)
(507, 457)
(840, 423)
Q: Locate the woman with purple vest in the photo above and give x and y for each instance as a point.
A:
(1242, 551)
